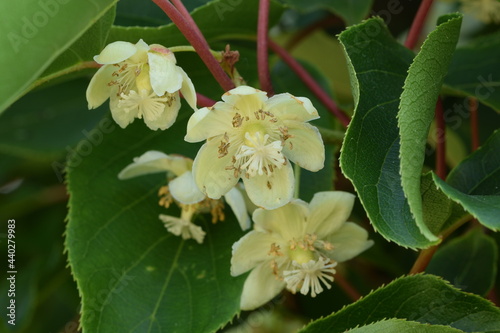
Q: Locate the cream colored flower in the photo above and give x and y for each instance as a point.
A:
(183, 191)
(252, 137)
(297, 247)
(487, 11)
(142, 81)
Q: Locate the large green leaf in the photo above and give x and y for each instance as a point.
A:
(402, 326)
(422, 298)
(351, 11)
(134, 276)
(35, 33)
(370, 152)
(469, 262)
(46, 123)
(475, 183)
(475, 71)
(416, 109)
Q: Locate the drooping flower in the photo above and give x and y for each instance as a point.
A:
(141, 81)
(487, 11)
(253, 137)
(297, 247)
(183, 191)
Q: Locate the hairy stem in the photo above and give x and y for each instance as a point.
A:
(310, 83)
(262, 44)
(192, 34)
(418, 24)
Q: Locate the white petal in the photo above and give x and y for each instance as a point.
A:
(260, 287)
(305, 147)
(234, 198)
(273, 190)
(288, 221)
(116, 52)
(251, 250)
(288, 107)
(187, 89)
(210, 174)
(141, 55)
(163, 74)
(155, 161)
(184, 190)
(167, 117)
(119, 114)
(349, 241)
(329, 211)
(246, 100)
(99, 90)
(209, 122)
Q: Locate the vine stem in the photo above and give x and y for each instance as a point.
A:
(262, 44)
(310, 82)
(204, 101)
(423, 259)
(418, 24)
(192, 33)
(474, 125)
(441, 141)
(353, 294)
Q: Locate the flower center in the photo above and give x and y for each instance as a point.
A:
(308, 276)
(126, 75)
(259, 156)
(150, 106)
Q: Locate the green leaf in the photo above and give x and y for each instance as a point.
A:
(469, 262)
(43, 28)
(351, 11)
(475, 183)
(422, 298)
(475, 71)
(218, 20)
(402, 326)
(370, 152)
(45, 123)
(439, 212)
(132, 274)
(417, 106)
(83, 50)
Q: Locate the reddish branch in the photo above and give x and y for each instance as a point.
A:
(418, 24)
(310, 82)
(353, 294)
(192, 34)
(204, 101)
(262, 43)
(424, 258)
(441, 141)
(474, 126)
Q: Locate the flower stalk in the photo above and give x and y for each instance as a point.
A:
(262, 45)
(192, 34)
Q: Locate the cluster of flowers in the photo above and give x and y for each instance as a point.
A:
(293, 244)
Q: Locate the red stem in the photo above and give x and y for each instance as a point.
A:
(474, 126)
(423, 260)
(187, 16)
(262, 42)
(310, 82)
(418, 24)
(199, 43)
(441, 141)
(353, 294)
(204, 101)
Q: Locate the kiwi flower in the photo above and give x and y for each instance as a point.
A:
(182, 190)
(253, 137)
(297, 247)
(141, 81)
